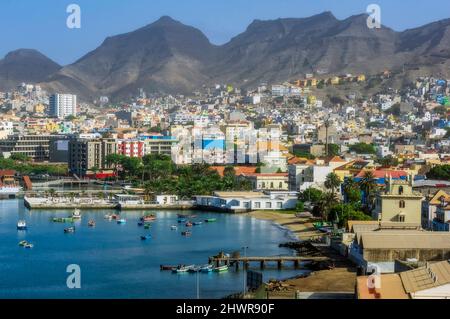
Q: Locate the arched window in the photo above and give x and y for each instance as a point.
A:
(281, 185)
(271, 185)
(263, 185)
(400, 190)
(402, 204)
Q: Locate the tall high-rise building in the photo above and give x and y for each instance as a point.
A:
(63, 105)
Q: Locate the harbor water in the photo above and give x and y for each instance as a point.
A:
(116, 263)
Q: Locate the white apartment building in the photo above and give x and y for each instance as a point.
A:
(6, 129)
(63, 105)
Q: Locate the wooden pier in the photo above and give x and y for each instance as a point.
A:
(279, 260)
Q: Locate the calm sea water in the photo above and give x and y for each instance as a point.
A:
(115, 263)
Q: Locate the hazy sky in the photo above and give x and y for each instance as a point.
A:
(41, 24)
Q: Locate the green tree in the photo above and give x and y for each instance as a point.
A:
(300, 207)
(114, 161)
(368, 185)
(332, 182)
(345, 212)
(352, 191)
(311, 195)
(363, 148)
(326, 202)
(388, 161)
(19, 157)
(95, 170)
(334, 150)
(440, 172)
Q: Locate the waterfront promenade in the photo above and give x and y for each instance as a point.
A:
(99, 203)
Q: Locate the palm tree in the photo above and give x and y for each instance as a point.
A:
(148, 190)
(51, 192)
(369, 186)
(332, 182)
(95, 170)
(114, 160)
(327, 201)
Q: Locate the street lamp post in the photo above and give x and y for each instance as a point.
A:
(245, 271)
(198, 284)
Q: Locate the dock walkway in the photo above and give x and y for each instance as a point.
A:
(280, 260)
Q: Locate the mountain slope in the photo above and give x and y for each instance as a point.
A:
(165, 55)
(168, 56)
(25, 65)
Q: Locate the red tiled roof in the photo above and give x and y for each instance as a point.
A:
(383, 173)
(240, 170)
(337, 159)
(7, 172)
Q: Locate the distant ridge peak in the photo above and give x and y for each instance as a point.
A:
(166, 20)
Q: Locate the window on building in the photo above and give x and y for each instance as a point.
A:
(268, 205)
(402, 204)
(279, 205)
(257, 205)
(271, 185)
(400, 190)
(401, 218)
(281, 185)
(263, 185)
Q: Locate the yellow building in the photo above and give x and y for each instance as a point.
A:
(335, 80)
(51, 127)
(311, 100)
(361, 78)
(39, 108)
(399, 203)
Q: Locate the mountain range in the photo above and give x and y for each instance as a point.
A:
(168, 56)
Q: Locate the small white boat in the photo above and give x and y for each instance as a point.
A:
(22, 225)
(221, 268)
(76, 214)
(121, 221)
(174, 227)
(206, 269)
(183, 270)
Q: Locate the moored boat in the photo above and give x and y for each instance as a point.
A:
(148, 218)
(21, 225)
(146, 237)
(197, 223)
(186, 233)
(69, 230)
(28, 245)
(188, 224)
(181, 220)
(210, 220)
(168, 267)
(206, 269)
(140, 224)
(62, 220)
(147, 226)
(221, 268)
(91, 223)
(122, 221)
(23, 243)
(76, 214)
(182, 269)
(195, 269)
